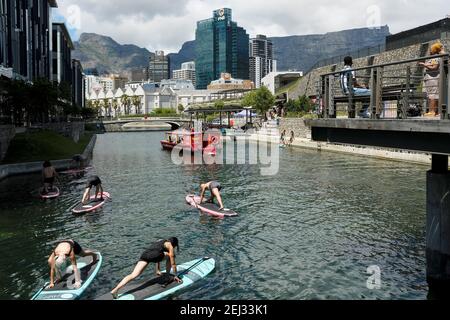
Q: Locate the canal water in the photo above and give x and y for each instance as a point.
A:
(310, 232)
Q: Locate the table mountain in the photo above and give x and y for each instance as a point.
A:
(292, 52)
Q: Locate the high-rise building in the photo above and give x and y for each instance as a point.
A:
(221, 47)
(25, 33)
(78, 92)
(187, 72)
(62, 54)
(159, 67)
(261, 59)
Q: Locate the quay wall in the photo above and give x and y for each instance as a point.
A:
(7, 133)
(9, 170)
(303, 140)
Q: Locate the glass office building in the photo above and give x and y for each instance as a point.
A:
(221, 47)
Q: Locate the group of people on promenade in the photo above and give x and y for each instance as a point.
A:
(66, 251)
(348, 81)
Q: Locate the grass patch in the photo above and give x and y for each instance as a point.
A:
(44, 145)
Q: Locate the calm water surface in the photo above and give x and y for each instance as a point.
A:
(310, 232)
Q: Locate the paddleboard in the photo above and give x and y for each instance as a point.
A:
(163, 286)
(75, 171)
(210, 208)
(92, 205)
(63, 289)
(55, 193)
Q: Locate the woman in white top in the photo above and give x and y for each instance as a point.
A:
(431, 79)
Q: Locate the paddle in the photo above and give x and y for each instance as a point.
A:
(39, 292)
(187, 270)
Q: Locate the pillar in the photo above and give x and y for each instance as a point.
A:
(438, 224)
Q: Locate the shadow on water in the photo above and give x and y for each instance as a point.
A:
(309, 232)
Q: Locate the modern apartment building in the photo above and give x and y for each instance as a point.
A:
(62, 54)
(261, 59)
(187, 72)
(25, 33)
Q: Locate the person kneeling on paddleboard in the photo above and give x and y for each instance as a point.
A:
(155, 254)
(49, 175)
(58, 261)
(93, 182)
(215, 188)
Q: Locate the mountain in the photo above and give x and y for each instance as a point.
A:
(302, 52)
(187, 53)
(108, 56)
(292, 52)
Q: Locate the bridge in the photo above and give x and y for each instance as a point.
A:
(397, 100)
(142, 124)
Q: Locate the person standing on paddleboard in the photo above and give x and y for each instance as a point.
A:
(215, 188)
(93, 182)
(49, 175)
(154, 254)
(59, 261)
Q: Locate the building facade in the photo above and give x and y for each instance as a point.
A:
(78, 92)
(139, 74)
(221, 47)
(261, 59)
(226, 82)
(187, 72)
(25, 33)
(159, 67)
(62, 54)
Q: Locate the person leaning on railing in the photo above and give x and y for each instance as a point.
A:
(431, 79)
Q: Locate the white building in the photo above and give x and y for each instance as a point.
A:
(187, 72)
(276, 80)
(178, 84)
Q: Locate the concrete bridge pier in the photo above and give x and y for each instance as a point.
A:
(438, 225)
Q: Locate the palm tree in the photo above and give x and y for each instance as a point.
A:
(107, 106)
(136, 100)
(115, 106)
(125, 100)
(96, 105)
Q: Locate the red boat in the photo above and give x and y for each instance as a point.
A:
(193, 141)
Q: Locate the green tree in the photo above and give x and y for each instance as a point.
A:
(261, 99)
(180, 108)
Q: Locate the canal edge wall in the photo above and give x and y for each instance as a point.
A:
(9, 170)
(303, 140)
(7, 133)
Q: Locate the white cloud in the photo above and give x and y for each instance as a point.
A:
(167, 24)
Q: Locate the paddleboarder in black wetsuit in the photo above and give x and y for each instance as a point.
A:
(154, 254)
(93, 182)
(215, 189)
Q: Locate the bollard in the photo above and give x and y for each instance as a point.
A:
(438, 224)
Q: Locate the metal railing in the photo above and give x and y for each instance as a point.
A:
(397, 90)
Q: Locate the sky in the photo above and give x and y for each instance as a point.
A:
(167, 24)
